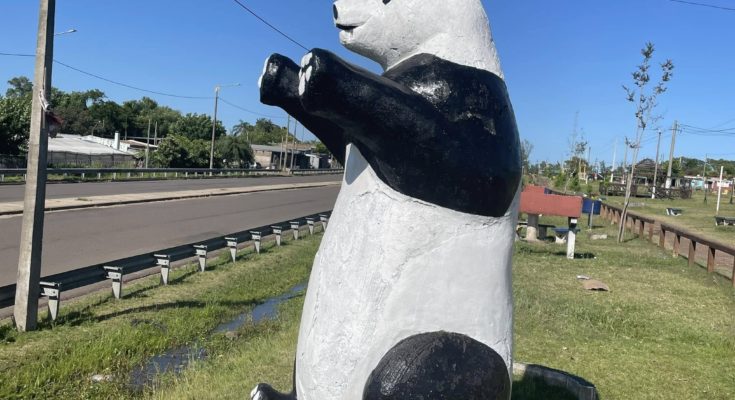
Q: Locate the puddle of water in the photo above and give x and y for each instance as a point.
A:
(178, 359)
(266, 310)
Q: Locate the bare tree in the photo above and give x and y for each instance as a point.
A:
(645, 100)
(526, 149)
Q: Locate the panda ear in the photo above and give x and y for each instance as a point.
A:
(386, 1)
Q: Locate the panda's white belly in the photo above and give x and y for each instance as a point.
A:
(391, 266)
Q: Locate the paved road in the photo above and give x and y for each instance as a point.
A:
(86, 189)
(80, 238)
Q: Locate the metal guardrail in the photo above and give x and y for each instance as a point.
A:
(132, 173)
(644, 226)
(101, 272)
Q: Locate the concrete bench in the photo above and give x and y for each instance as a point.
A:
(561, 234)
(675, 212)
(535, 202)
(723, 221)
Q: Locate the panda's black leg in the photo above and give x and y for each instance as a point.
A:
(439, 365)
(265, 392)
(279, 85)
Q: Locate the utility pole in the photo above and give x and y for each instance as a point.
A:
(31, 237)
(719, 190)
(155, 135)
(293, 148)
(615, 152)
(671, 153)
(214, 127)
(588, 166)
(704, 178)
(655, 170)
(148, 143)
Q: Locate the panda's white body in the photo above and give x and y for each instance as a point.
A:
(391, 266)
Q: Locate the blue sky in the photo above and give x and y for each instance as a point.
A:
(560, 58)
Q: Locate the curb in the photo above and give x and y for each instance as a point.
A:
(183, 196)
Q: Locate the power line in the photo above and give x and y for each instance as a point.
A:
(246, 110)
(703, 5)
(131, 86)
(270, 25)
(16, 55)
(112, 81)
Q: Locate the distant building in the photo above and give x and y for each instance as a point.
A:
(88, 151)
(272, 156)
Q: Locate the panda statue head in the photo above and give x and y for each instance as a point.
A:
(391, 31)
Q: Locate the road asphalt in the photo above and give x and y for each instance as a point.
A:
(78, 238)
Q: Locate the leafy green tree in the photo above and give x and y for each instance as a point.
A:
(15, 124)
(178, 151)
(234, 151)
(20, 86)
(197, 126)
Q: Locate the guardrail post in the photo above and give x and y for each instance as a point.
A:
(163, 261)
(114, 176)
(2, 177)
(116, 275)
(277, 230)
(128, 174)
(99, 176)
(25, 177)
(662, 237)
(650, 230)
(255, 236)
(165, 174)
(711, 259)
(295, 229)
(692, 252)
(325, 219)
(310, 222)
(186, 174)
(82, 175)
(232, 245)
(201, 252)
(677, 244)
(52, 291)
(176, 174)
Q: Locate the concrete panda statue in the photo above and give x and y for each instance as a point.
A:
(410, 295)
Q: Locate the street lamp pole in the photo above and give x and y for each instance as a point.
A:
(31, 237)
(214, 121)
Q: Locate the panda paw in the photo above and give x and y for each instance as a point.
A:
(266, 392)
(318, 69)
(278, 81)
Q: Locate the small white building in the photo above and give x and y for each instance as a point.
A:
(85, 151)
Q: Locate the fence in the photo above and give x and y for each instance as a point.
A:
(647, 227)
(114, 271)
(159, 173)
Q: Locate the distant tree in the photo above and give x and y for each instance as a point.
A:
(15, 124)
(197, 126)
(20, 86)
(235, 151)
(526, 149)
(645, 100)
(178, 151)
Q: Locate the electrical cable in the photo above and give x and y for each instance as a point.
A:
(248, 111)
(703, 5)
(270, 25)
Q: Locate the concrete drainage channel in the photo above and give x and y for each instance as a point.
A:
(178, 359)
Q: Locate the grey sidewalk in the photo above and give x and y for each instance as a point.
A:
(16, 207)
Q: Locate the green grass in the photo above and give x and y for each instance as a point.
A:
(99, 335)
(698, 217)
(665, 331)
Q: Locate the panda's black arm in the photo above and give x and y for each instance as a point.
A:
(279, 87)
(374, 110)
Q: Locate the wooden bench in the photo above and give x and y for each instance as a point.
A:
(723, 221)
(675, 212)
